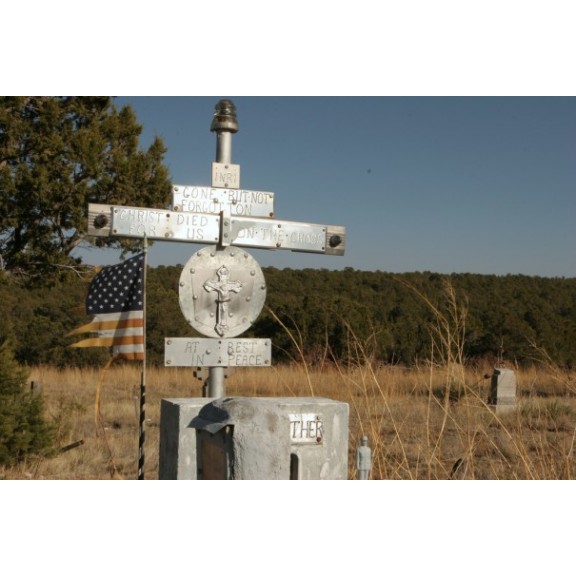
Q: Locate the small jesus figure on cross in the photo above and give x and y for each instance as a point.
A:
(223, 287)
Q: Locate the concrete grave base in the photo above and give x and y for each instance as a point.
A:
(254, 438)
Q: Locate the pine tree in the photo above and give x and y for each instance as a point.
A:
(23, 429)
(57, 155)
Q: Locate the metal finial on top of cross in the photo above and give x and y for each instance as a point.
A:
(224, 117)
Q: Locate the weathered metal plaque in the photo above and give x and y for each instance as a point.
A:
(222, 291)
(225, 175)
(284, 235)
(201, 352)
(306, 429)
(131, 222)
(215, 200)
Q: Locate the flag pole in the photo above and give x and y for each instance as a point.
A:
(142, 423)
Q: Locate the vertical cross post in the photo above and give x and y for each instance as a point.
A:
(224, 124)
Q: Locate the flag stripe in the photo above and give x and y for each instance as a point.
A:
(126, 349)
(131, 355)
(113, 341)
(118, 333)
(108, 325)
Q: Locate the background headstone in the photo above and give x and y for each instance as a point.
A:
(503, 390)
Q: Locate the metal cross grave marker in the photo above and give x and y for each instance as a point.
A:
(222, 288)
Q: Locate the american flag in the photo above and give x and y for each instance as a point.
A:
(116, 299)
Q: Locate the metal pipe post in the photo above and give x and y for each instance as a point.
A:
(224, 123)
(142, 419)
(224, 147)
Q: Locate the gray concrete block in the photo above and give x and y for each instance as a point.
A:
(177, 459)
(254, 438)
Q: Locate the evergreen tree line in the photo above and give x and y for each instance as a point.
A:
(330, 314)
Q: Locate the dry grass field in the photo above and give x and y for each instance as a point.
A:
(428, 422)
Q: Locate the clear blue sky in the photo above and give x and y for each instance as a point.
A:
(447, 184)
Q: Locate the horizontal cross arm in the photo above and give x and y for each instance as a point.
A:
(284, 235)
(154, 224)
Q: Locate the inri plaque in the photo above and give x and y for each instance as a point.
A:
(222, 291)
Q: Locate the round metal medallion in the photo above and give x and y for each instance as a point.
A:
(222, 291)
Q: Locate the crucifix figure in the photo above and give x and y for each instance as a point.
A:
(223, 287)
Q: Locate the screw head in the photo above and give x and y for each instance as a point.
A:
(335, 241)
(100, 221)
